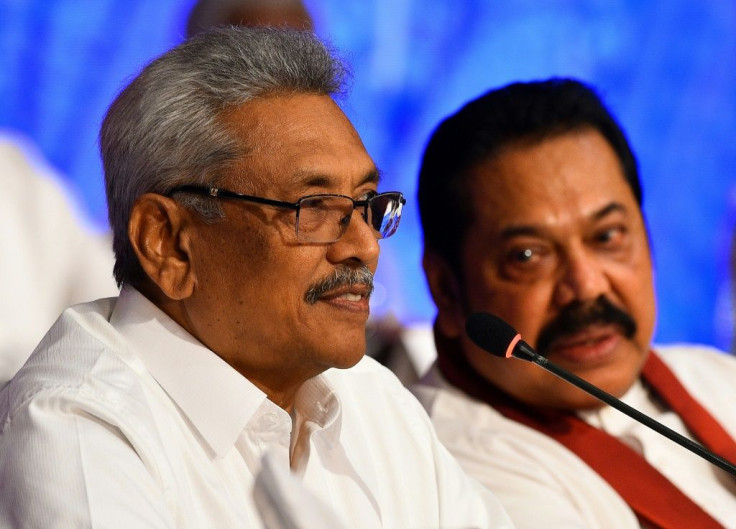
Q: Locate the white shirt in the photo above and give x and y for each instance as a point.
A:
(122, 419)
(539, 481)
(49, 257)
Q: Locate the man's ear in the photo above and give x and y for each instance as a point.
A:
(158, 232)
(445, 289)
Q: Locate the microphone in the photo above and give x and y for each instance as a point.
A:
(497, 337)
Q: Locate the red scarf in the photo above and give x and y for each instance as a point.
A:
(655, 500)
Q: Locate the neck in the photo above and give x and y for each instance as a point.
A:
(280, 385)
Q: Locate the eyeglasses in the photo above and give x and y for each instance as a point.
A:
(323, 219)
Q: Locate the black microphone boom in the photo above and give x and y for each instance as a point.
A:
(497, 337)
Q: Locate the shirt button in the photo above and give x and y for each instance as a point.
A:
(269, 420)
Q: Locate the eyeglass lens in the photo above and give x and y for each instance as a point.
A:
(384, 213)
(325, 219)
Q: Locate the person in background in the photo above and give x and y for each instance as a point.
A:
(51, 257)
(210, 14)
(531, 207)
(246, 222)
(732, 292)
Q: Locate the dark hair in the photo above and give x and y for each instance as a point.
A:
(531, 111)
(163, 131)
(210, 14)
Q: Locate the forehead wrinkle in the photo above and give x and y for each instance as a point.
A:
(536, 230)
(307, 178)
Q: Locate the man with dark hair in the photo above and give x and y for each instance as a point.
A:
(531, 207)
(246, 218)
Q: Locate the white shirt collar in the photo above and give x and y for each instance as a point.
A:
(317, 402)
(616, 422)
(217, 399)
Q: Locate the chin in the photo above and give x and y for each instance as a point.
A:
(574, 398)
(350, 362)
(346, 356)
(583, 402)
(341, 363)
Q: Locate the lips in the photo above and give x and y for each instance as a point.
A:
(586, 333)
(354, 298)
(592, 345)
(352, 293)
(349, 296)
(344, 280)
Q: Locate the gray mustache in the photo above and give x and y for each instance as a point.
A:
(344, 276)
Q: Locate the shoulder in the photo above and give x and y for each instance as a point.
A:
(79, 417)
(485, 441)
(708, 374)
(371, 386)
(452, 408)
(387, 433)
(480, 437)
(692, 352)
(520, 465)
(694, 363)
(376, 406)
(81, 366)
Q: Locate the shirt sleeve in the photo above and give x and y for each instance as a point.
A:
(537, 484)
(62, 465)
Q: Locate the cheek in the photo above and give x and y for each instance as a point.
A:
(633, 283)
(641, 304)
(252, 268)
(525, 306)
(524, 380)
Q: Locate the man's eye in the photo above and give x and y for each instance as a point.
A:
(528, 262)
(367, 195)
(529, 257)
(523, 255)
(611, 237)
(345, 220)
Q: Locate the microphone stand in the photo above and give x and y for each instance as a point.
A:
(635, 414)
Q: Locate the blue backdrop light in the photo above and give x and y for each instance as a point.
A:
(667, 68)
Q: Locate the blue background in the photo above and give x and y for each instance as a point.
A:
(667, 69)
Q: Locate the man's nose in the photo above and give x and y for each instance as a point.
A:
(582, 278)
(358, 243)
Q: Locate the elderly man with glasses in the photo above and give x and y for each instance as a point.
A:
(233, 180)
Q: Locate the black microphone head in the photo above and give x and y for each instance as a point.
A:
(490, 333)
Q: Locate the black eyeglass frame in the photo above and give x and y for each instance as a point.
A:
(216, 192)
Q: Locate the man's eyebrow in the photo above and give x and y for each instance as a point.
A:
(607, 210)
(521, 230)
(373, 176)
(308, 179)
(532, 230)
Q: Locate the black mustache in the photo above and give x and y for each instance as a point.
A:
(578, 315)
(344, 276)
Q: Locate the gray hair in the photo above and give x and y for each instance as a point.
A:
(163, 131)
